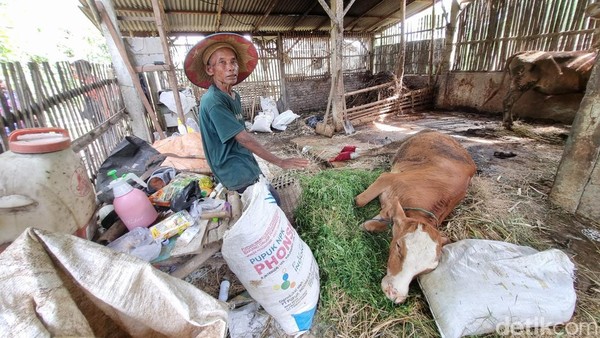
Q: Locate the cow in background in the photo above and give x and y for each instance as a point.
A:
(430, 175)
(549, 73)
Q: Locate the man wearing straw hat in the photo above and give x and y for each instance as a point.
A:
(217, 63)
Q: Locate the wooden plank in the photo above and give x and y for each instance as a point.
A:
(159, 14)
(197, 260)
(123, 53)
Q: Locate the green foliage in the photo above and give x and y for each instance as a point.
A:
(349, 258)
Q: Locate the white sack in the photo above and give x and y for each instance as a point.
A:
(285, 118)
(269, 105)
(272, 262)
(187, 100)
(54, 285)
(262, 122)
(483, 286)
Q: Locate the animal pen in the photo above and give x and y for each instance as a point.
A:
(449, 56)
(440, 48)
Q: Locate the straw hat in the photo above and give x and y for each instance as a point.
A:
(198, 57)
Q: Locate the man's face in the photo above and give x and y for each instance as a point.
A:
(223, 67)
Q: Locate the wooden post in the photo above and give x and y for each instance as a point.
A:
(172, 76)
(448, 51)
(400, 65)
(284, 95)
(432, 43)
(576, 187)
(134, 78)
(336, 43)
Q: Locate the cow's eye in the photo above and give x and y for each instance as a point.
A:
(399, 248)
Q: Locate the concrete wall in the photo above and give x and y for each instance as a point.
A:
(145, 51)
(459, 91)
(467, 91)
(310, 95)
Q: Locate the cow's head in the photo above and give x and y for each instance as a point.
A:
(415, 249)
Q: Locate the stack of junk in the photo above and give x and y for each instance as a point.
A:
(110, 259)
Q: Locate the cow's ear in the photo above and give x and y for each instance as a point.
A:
(387, 210)
(445, 240)
(399, 215)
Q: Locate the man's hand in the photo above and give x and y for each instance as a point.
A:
(294, 163)
(246, 140)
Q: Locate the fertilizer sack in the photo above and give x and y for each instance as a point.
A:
(272, 262)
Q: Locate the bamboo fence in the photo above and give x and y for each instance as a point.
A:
(491, 31)
(394, 104)
(85, 99)
(82, 98)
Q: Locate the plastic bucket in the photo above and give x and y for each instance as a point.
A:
(43, 184)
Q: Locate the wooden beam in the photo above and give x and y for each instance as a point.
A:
(219, 13)
(135, 18)
(94, 10)
(134, 78)
(264, 17)
(241, 15)
(159, 15)
(348, 8)
(331, 14)
(152, 68)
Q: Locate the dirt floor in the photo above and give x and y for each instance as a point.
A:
(515, 169)
(523, 162)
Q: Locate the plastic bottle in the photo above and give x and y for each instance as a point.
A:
(224, 290)
(180, 127)
(192, 126)
(131, 205)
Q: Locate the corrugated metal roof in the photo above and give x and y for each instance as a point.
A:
(263, 17)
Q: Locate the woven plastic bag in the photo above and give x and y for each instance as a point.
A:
(270, 259)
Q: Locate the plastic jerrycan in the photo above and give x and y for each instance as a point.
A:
(43, 184)
(131, 205)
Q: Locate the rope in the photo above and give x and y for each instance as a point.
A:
(427, 212)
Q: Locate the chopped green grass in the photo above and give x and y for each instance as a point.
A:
(352, 262)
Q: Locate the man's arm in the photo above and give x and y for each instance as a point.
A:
(250, 143)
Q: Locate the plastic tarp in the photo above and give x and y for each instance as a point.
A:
(60, 285)
(483, 286)
(188, 101)
(184, 152)
(131, 155)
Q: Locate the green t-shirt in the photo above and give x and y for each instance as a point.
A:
(220, 120)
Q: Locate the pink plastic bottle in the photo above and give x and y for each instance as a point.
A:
(131, 205)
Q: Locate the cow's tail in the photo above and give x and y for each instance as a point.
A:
(504, 72)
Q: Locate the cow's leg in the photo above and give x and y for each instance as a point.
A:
(381, 222)
(376, 224)
(374, 190)
(513, 95)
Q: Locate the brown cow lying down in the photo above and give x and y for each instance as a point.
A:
(430, 175)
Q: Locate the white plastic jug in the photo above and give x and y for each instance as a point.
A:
(43, 184)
